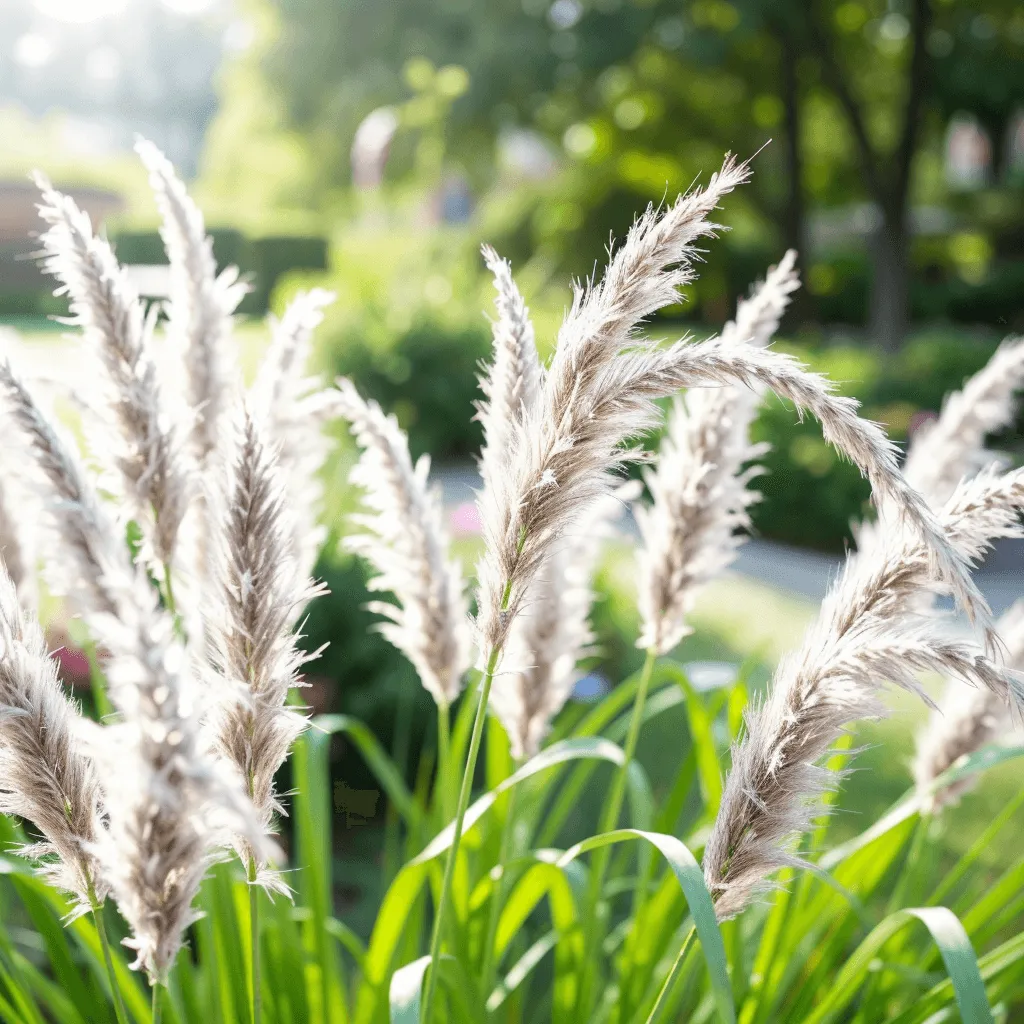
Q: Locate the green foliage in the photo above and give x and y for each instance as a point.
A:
(825, 947)
(407, 327)
(427, 377)
(267, 259)
(811, 496)
(263, 260)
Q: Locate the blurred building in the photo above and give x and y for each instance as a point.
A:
(118, 67)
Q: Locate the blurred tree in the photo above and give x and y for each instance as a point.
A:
(641, 96)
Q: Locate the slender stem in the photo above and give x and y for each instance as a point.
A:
(101, 930)
(460, 814)
(169, 591)
(254, 931)
(157, 1010)
(673, 974)
(917, 841)
(982, 843)
(97, 681)
(609, 820)
(498, 897)
(443, 794)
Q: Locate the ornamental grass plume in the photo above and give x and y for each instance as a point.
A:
(600, 389)
(547, 641)
(201, 305)
(953, 446)
(252, 648)
(47, 776)
(870, 633)
(167, 802)
(295, 407)
(404, 538)
(512, 384)
(15, 547)
(552, 634)
(965, 721)
(700, 488)
(139, 439)
(84, 547)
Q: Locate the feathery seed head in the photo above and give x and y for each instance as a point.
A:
(171, 804)
(252, 647)
(202, 302)
(139, 437)
(47, 776)
(561, 452)
(552, 634)
(700, 487)
(953, 447)
(166, 799)
(404, 538)
(513, 381)
(868, 634)
(295, 407)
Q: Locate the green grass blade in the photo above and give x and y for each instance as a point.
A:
(48, 908)
(702, 909)
(557, 754)
(521, 970)
(957, 954)
(708, 765)
(313, 820)
(228, 931)
(388, 932)
(406, 990)
(21, 1006)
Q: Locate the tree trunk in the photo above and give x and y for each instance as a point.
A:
(890, 281)
(793, 218)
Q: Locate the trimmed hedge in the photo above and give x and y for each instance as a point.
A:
(26, 291)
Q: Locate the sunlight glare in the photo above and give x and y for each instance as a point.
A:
(80, 11)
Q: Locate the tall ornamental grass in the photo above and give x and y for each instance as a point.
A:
(147, 874)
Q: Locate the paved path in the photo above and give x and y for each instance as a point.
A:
(801, 572)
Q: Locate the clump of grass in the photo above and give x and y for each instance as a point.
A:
(195, 635)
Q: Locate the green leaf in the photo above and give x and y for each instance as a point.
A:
(702, 736)
(550, 757)
(520, 971)
(957, 954)
(390, 927)
(702, 909)
(406, 990)
(35, 893)
(314, 815)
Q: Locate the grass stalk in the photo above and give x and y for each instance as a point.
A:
(108, 960)
(498, 897)
(609, 820)
(97, 681)
(982, 843)
(460, 814)
(169, 591)
(254, 932)
(157, 1006)
(672, 976)
(444, 792)
(906, 878)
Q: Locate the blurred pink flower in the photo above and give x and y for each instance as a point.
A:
(73, 665)
(464, 519)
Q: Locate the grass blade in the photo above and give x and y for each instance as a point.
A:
(702, 909)
(957, 954)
